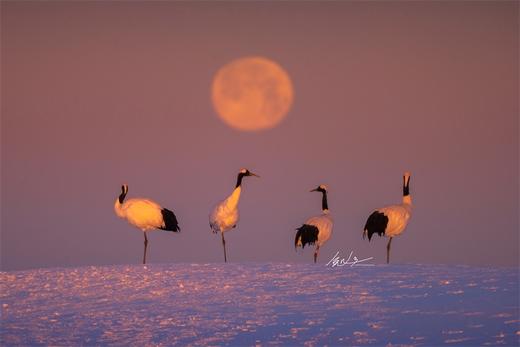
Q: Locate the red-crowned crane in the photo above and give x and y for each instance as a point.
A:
(391, 221)
(225, 214)
(316, 230)
(145, 215)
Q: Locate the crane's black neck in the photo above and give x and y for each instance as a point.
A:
(406, 187)
(324, 205)
(122, 195)
(239, 179)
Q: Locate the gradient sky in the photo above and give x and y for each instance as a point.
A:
(99, 94)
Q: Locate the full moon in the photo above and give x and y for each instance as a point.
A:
(252, 93)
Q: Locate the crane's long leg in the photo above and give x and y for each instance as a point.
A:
(316, 253)
(224, 245)
(145, 246)
(388, 251)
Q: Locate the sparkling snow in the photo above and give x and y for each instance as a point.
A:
(260, 304)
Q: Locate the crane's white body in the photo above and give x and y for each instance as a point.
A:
(225, 215)
(144, 214)
(324, 224)
(398, 216)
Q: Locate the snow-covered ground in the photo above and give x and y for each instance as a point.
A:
(265, 304)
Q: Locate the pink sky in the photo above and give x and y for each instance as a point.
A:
(99, 94)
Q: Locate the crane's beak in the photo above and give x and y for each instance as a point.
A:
(253, 174)
(314, 190)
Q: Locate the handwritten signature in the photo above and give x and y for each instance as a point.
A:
(352, 261)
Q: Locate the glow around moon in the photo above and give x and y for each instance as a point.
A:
(252, 93)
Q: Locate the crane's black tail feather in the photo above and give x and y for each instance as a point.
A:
(306, 235)
(376, 224)
(170, 221)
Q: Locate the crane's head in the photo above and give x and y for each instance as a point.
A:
(124, 191)
(246, 172)
(243, 173)
(321, 188)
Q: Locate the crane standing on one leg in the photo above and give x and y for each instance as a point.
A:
(391, 221)
(316, 230)
(225, 214)
(145, 215)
